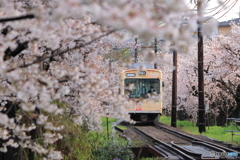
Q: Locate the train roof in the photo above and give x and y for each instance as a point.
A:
(138, 65)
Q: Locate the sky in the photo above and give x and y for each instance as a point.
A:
(219, 15)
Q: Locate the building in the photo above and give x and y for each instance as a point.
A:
(225, 26)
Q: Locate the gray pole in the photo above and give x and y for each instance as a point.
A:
(136, 51)
(155, 51)
(174, 91)
(201, 106)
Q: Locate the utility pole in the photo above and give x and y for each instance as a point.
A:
(109, 84)
(201, 106)
(136, 51)
(155, 51)
(174, 91)
(33, 133)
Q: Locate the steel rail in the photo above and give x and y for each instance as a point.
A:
(191, 138)
(181, 135)
(152, 149)
(167, 147)
(168, 154)
(212, 147)
(192, 154)
(174, 151)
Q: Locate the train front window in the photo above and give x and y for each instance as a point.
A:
(137, 88)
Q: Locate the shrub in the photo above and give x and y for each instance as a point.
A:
(113, 151)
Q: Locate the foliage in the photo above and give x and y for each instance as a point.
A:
(104, 121)
(165, 120)
(121, 127)
(109, 146)
(74, 145)
(110, 150)
(77, 143)
(137, 143)
(214, 132)
(120, 55)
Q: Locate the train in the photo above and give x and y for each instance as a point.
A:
(142, 84)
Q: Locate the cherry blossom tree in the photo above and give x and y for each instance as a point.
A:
(221, 72)
(52, 51)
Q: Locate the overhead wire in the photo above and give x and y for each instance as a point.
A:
(195, 6)
(228, 9)
(220, 11)
(222, 7)
(225, 3)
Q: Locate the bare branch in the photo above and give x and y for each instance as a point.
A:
(206, 71)
(12, 53)
(29, 16)
(229, 49)
(224, 86)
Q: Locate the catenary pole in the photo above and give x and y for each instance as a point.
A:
(174, 91)
(136, 51)
(201, 106)
(155, 51)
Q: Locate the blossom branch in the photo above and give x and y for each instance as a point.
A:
(229, 49)
(224, 86)
(29, 16)
(62, 52)
(12, 53)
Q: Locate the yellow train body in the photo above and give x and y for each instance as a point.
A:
(144, 89)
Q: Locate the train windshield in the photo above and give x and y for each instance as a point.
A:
(137, 88)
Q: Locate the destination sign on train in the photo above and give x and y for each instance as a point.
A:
(130, 74)
(142, 72)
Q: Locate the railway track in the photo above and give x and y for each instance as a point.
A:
(170, 144)
(193, 139)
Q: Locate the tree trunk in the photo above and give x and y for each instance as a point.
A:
(12, 153)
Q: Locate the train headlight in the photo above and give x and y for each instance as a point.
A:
(130, 74)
